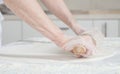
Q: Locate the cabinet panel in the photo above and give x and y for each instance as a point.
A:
(64, 27)
(11, 31)
(108, 27)
(112, 28)
(88, 24)
(101, 25)
(29, 32)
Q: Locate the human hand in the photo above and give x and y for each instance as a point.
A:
(80, 46)
(85, 44)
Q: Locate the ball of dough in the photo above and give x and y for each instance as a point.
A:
(79, 50)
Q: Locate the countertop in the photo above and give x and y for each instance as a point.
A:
(109, 65)
(77, 16)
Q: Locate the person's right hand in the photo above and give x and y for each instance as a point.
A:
(85, 44)
(80, 46)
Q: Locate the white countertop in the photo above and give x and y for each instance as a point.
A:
(109, 65)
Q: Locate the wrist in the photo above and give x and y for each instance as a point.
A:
(78, 29)
(61, 40)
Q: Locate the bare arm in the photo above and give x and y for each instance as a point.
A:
(32, 13)
(59, 8)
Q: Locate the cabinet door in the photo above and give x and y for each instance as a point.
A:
(11, 31)
(112, 28)
(108, 27)
(29, 32)
(88, 24)
(64, 27)
(101, 25)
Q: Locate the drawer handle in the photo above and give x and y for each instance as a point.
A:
(104, 29)
(64, 28)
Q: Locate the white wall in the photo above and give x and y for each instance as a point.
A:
(91, 4)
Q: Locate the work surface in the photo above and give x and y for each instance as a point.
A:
(12, 62)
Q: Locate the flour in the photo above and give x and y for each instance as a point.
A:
(50, 52)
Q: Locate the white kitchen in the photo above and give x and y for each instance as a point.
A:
(26, 51)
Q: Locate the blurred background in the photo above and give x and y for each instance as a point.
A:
(103, 14)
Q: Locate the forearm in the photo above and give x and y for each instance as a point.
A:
(31, 12)
(59, 8)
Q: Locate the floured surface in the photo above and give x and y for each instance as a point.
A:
(40, 52)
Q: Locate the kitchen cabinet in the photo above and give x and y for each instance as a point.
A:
(67, 30)
(12, 31)
(112, 28)
(88, 24)
(101, 25)
(108, 27)
(28, 31)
